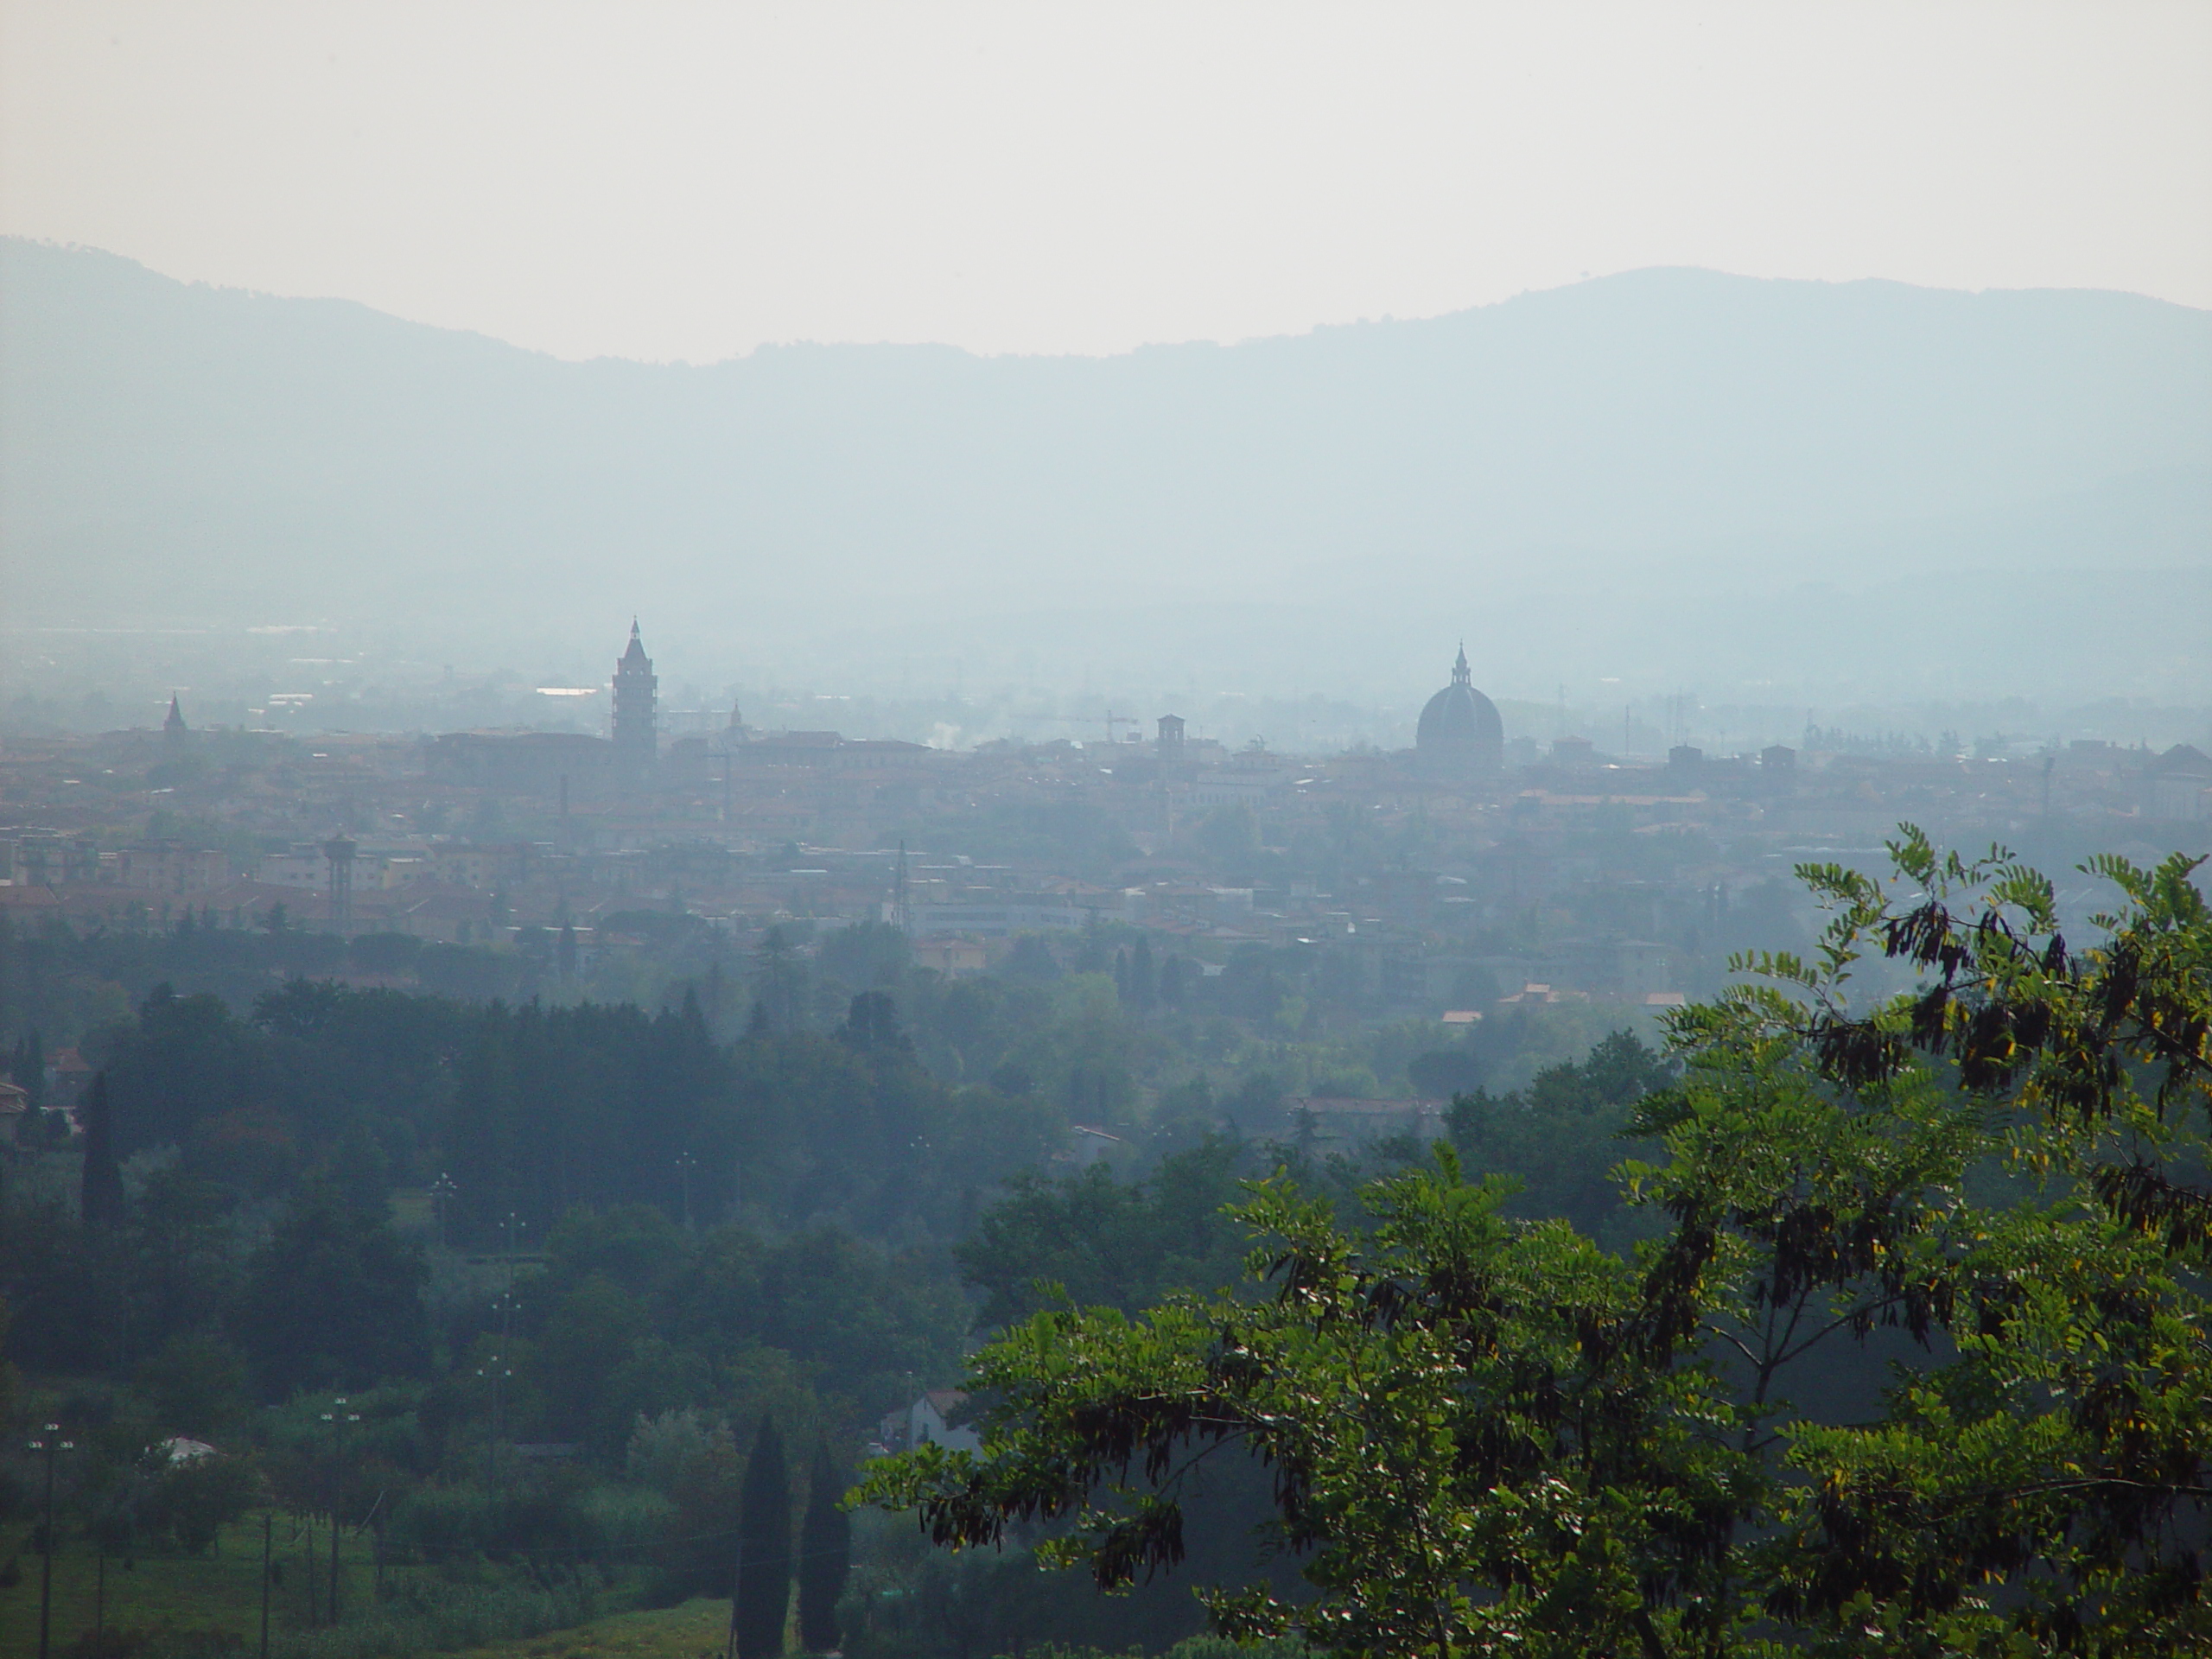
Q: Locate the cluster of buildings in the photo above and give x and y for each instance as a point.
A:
(63, 1077)
(1467, 869)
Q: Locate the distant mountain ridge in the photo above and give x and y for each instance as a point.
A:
(1653, 453)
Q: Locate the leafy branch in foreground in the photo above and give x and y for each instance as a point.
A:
(1493, 1436)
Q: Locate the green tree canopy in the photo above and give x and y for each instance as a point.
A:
(333, 1299)
(1492, 1435)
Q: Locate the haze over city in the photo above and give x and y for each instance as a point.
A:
(1937, 400)
(866, 831)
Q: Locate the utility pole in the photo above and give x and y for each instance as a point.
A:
(48, 1443)
(685, 1163)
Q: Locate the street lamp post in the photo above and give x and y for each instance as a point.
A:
(49, 1442)
(514, 1224)
(441, 1192)
(496, 1372)
(338, 1417)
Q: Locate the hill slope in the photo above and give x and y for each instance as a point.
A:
(1755, 478)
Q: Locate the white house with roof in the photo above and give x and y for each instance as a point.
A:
(928, 1422)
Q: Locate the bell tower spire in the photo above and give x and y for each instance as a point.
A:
(635, 686)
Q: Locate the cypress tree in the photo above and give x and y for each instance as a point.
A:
(100, 1200)
(825, 1556)
(778, 985)
(764, 1587)
(1172, 983)
(872, 1024)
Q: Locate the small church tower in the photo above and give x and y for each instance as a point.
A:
(174, 730)
(635, 686)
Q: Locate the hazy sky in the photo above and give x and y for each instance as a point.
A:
(671, 180)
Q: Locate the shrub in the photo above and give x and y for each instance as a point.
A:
(192, 1500)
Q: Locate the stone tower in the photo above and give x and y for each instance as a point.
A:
(635, 686)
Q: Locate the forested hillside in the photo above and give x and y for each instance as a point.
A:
(1573, 477)
(794, 1194)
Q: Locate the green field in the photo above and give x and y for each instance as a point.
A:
(697, 1630)
(220, 1590)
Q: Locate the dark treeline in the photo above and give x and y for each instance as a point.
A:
(525, 1127)
(1305, 1015)
(531, 1111)
(57, 978)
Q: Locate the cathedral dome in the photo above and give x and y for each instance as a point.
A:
(1459, 734)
